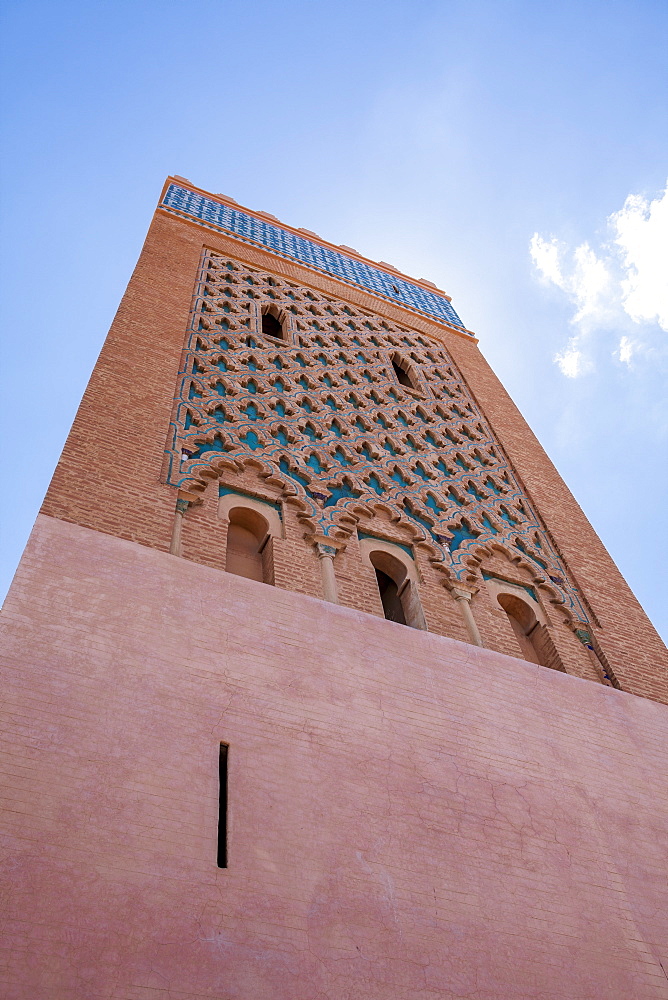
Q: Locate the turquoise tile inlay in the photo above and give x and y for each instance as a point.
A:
(272, 237)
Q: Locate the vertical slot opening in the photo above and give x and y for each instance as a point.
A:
(222, 806)
(390, 598)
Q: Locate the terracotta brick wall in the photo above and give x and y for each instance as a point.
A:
(629, 640)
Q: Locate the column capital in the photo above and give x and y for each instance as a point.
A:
(333, 544)
(584, 635)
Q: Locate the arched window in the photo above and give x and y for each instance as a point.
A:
(271, 324)
(398, 593)
(525, 626)
(247, 536)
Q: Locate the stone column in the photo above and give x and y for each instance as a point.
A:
(326, 555)
(463, 599)
(179, 514)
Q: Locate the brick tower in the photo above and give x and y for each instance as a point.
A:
(318, 682)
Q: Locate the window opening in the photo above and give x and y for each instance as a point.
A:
(222, 806)
(271, 327)
(402, 375)
(398, 593)
(389, 595)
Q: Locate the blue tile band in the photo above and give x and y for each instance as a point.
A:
(249, 229)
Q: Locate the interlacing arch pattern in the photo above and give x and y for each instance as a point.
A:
(322, 411)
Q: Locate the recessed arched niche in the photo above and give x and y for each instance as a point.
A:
(251, 527)
(246, 533)
(523, 622)
(527, 621)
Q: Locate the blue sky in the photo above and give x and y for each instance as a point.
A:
(515, 153)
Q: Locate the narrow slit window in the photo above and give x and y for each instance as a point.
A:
(222, 806)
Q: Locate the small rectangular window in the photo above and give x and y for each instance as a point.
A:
(222, 806)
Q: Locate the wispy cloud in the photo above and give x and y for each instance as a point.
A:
(619, 286)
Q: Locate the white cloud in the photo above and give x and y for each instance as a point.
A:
(580, 273)
(642, 237)
(625, 350)
(545, 255)
(624, 279)
(573, 361)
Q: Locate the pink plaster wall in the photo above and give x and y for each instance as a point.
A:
(412, 818)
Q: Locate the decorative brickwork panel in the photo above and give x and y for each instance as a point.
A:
(348, 413)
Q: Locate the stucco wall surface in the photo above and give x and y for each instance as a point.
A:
(411, 817)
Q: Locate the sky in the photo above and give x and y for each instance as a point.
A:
(514, 153)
